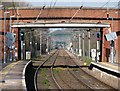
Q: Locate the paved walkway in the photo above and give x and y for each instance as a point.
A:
(113, 66)
(2, 65)
(12, 77)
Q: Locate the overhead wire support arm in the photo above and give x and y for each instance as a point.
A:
(76, 13)
(40, 12)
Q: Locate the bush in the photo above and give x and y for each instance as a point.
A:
(87, 60)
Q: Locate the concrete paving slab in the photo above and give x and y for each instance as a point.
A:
(13, 77)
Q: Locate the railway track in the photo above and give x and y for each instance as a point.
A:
(89, 81)
(80, 81)
(61, 58)
(53, 57)
(53, 76)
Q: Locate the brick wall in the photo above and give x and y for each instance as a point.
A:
(69, 12)
(1, 42)
(119, 34)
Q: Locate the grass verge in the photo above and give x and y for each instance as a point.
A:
(57, 70)
(87, 60)
(45, 78)
(38, 58)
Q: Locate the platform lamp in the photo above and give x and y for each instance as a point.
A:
(4, 35)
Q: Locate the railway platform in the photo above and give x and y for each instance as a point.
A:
(12, 77)
(110, 68)
(106, 72)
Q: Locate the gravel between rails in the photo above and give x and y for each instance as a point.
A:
(64, 77)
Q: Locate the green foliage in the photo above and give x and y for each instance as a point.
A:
(43, 72)
(46, 82)
(38, 58)
(87, 60)
(45, 79)
(56, 71)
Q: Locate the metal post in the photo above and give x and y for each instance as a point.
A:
(24, 50)
(89, 43)
(76, 42)
(79, 45)
(112, 46)
(15, 54)
(74, 45)
(40, 43)
(112, 24)
(47, 45)
(112, 52)
(4, 35)
(83, 44)
(21, 49)
(97, 51)
(11, 32)
(11, 23)
(35, 49)
(98, 46)
(31, 43)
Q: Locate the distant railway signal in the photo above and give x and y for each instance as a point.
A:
(98, 36)
(21, 35)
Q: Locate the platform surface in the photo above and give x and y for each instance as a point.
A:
(12, 78)
(109, 66)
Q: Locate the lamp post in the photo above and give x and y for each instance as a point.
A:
(11, 22)
(88, 42)
(112, 42)
(11, 32)
(40, 43)
(74, 45)
(47, 50)
(4, 35)
(83, 50)
(31, 48)
(24, 50)
(112, 45)
(35, 49)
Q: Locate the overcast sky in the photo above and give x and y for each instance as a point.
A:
(69, 0)
(85, 3)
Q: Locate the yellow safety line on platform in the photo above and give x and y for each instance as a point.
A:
(6, 69)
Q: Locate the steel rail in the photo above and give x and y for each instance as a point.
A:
(52, 73)
(93, 78)
(35, 76)
(68, 70)
(83, 83)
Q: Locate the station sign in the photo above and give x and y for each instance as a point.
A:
(93, 54)
(111, 36)
(10, 40)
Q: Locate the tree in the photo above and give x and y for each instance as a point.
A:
(10, 4)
